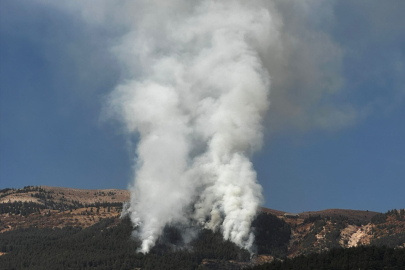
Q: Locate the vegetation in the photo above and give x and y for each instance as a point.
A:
(391, 241)
(27, 208)
(332, 233)
(106, 246)
(20, 208)
(362, 257)
(382, 218)
(339, 220)
(109, 245)
(272, 235)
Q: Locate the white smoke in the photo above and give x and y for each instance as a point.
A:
(198, 108)
(195, 90)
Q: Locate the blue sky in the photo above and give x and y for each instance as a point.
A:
(56, 70)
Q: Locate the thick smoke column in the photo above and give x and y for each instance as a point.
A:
(197, 103)
(195, 89)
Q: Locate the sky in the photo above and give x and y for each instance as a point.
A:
(334, 133)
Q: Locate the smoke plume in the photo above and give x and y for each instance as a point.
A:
(198, 107)
(195, 93)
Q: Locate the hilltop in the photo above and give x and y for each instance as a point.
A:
(67, 196)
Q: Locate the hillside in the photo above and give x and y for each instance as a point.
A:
(63, 195)
(33, 211)
(58, 207)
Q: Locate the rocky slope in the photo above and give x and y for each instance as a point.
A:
(323, 230)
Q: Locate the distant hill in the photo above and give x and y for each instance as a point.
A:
(65, 195)
(33, 210)
(363, 216)
(44, 206)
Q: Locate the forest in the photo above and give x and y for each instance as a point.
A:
(109, 246)
(362, 257)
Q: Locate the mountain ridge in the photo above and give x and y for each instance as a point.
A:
(91, 196)
(285, 235)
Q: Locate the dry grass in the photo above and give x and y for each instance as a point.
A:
(67, 195)
(82, 217)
